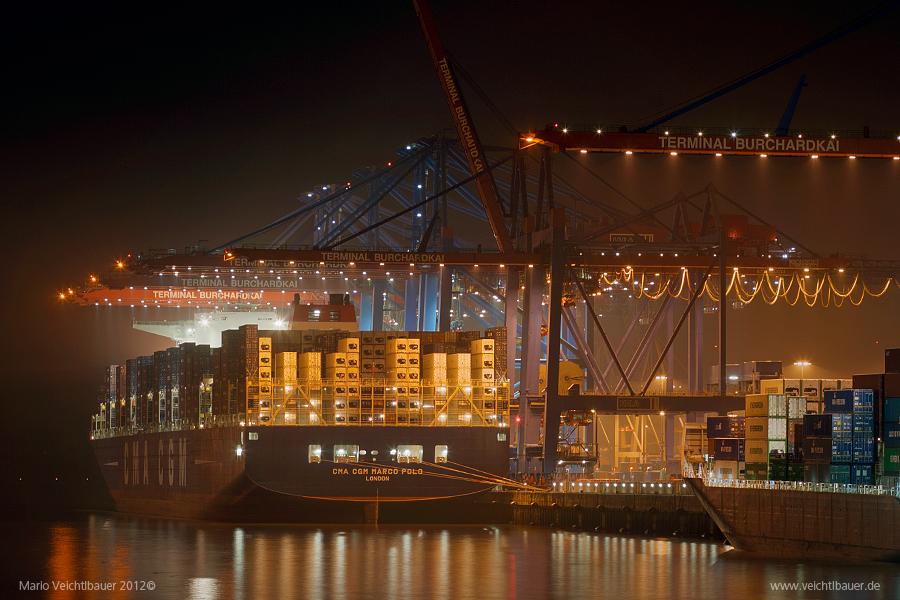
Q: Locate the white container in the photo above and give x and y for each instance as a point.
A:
(811, 388)
(335, 359)
(438, 359)
(398, 345)
(310, 359)
(483, 375)
(792, 387)
(483, 346)
(765, 428)
(455, 362)
(348, 345)
(727, 469)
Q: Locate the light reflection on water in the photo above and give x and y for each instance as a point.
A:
(198, 560)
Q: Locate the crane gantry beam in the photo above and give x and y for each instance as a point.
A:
(594, 139)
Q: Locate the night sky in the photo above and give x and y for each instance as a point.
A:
(148, 125)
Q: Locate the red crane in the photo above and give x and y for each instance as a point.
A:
(465, 128)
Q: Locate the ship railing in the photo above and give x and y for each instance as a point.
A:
(657, 488)
(806, 486)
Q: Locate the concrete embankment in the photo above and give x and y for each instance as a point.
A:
(666, 515)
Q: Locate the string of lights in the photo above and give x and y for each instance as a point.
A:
(822, 290)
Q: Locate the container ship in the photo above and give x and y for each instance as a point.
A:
(812, 485)
(308, 424)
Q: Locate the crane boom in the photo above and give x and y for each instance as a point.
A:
(464, 127)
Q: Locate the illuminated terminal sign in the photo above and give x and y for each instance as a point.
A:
(637, 403)
(701, 143)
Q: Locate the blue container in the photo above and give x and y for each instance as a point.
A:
(838, 401)
(728, 449)
(863, 450)
(724, 427)
(841, 451)
(891, 435)
(840, 474)
(863, 402)
(863, 424)
(861, 475)
(842, 425)
(892, 410)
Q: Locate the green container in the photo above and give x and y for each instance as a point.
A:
(891, 461)
(756, 471)
(795, 472)
(778, 471)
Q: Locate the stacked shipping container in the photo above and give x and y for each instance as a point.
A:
(726, 438)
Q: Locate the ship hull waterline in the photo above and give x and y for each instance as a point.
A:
(220, 473)
(803, 524)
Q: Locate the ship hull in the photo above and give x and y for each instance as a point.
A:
(801, 524)
(265, 473)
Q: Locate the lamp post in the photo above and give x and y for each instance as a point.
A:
(801, 364)
(662, 382)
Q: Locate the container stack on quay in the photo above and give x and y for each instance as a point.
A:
(849, 435)
(773, 437)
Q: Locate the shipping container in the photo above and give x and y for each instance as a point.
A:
(828, 425)
(725, 427)
(766, 405)
(727, 469)
(811, 388)
(827, 450)
(761, 451)
(841, 474)
(863, 425)
(817, 473)
(830, 384)
(863, 402)
(771, 386)
(892, 385)
(482, 346)
(766, 428)
(863, 450)
(792, 387)
(825, 473)
(891, 460)
(892, 410)
(875, 383)
(839, 401)
(892, 360)
(861, 475)
(397, 345)
(891, 435)
(756, 471)
(728, 449)
(349, 344)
